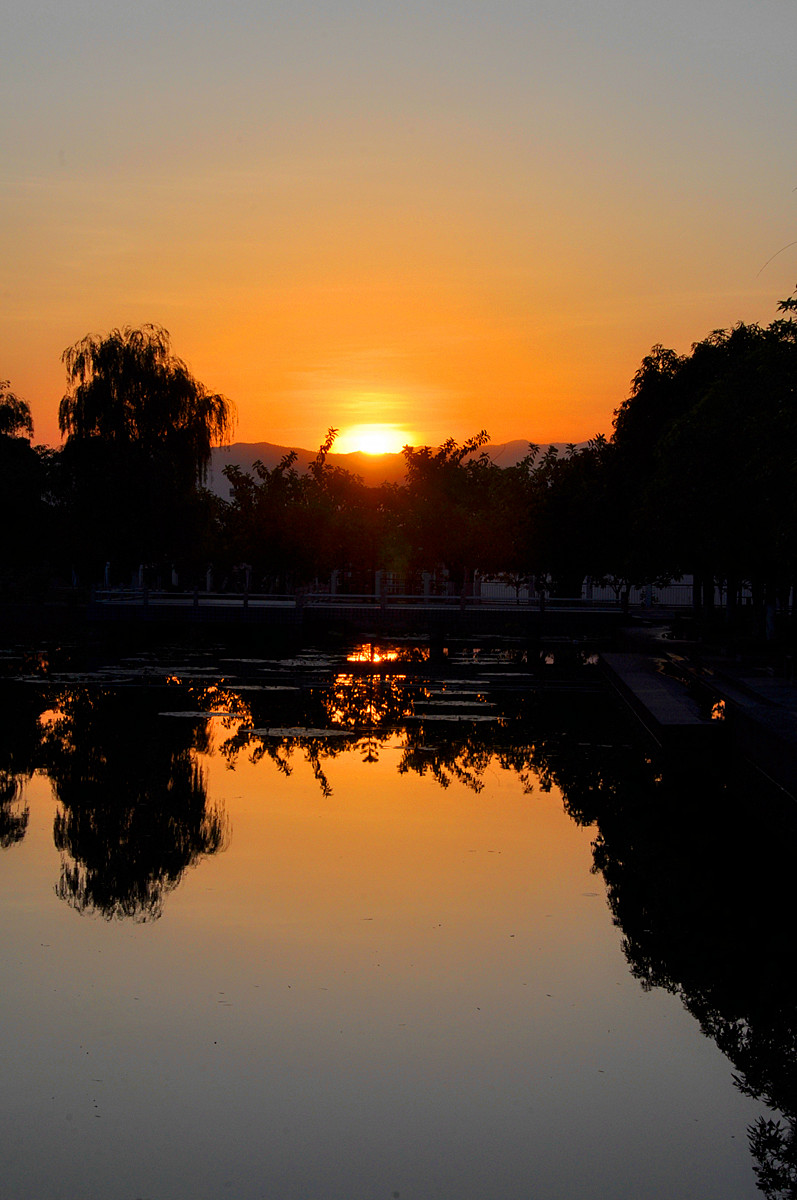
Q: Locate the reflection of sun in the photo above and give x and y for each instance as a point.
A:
(369, 653)
(372, 439)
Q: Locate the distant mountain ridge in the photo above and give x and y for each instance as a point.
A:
(373, 469)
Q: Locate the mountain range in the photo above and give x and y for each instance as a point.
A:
(373, 469)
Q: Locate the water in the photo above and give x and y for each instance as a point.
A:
(378, 960)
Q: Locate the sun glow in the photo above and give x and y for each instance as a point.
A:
(372, 439)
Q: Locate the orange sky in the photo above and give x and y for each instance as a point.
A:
(437, 219)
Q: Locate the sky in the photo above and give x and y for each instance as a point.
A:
(428, 218)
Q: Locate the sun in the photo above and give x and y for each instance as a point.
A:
(372, 439)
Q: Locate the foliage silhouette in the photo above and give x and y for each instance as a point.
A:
(14, 811)
(703, 445)
(448, 508)
(697, 479)
(128, 824)
(665, 834)
(128, 387)
(20, 740)
(139, 430)
(26, 533)
(15, 418)
(697, 861)
(295, 529)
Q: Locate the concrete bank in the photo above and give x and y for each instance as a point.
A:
(761, 715)
(712, 705)
(662, 701)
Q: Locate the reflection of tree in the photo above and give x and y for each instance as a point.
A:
(280, 746)
(14, 811)
(365, 709)
(699, 868)
(369, 704)
(312, 748)
(773, 1147)
(378, 654)
(133, 810)
(526, 724)
(361, 710)
(19, 741)
(460, 752)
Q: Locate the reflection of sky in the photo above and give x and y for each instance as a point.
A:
(434, 216)
(395, 988)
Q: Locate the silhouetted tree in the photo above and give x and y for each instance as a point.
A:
(702, 454)
(127, 387)
(23, 565)
(295, 528)
(449, 510)
(15, 418)
(139, 431)
(789, 305)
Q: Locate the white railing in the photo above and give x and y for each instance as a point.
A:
(487, 594)
(201, 599)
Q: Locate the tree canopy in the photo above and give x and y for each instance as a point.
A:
(15, 418)
(705, 448)
(139, 431)
(128, 387)
(698, 478)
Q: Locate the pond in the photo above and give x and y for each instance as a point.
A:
(355, 926)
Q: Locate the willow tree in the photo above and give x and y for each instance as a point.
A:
(139, 432)
(127, 387)
(22, 565)
(15, 418)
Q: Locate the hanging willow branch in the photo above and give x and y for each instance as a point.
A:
(127, 386)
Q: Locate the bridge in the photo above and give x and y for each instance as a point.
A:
(386, 614)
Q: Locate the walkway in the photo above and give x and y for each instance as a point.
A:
(659, 696)
(701, 702)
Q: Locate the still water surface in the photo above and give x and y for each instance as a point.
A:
(296, 931)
